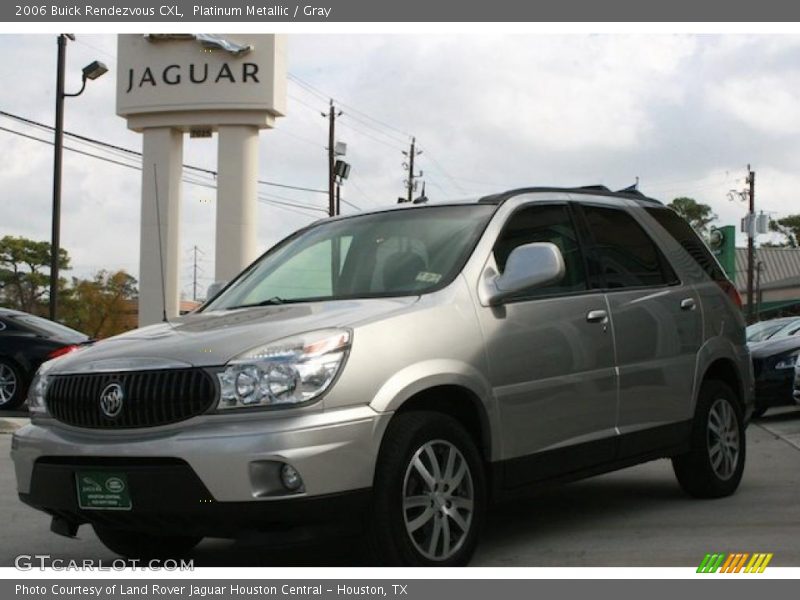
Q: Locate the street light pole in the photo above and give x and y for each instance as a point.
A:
(58, 147)
(91, 71)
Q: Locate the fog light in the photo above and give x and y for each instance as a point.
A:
(291, 478)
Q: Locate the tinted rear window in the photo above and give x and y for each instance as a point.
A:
(683, 233)
(627, 255)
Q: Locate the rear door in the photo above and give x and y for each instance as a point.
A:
(657, 330)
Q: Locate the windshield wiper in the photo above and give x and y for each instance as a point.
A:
(268, 301)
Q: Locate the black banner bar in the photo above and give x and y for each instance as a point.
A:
(198, 11)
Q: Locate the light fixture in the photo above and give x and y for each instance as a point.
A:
(94, 70)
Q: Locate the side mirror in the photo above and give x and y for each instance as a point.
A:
(528, 266)
(214, 289)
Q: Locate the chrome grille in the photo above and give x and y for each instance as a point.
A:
(150, 398)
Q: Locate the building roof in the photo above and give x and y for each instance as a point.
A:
(780, 267)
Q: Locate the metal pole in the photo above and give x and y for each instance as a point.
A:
(331, 158)
(751, 179)
(58, 146)
(411, 170)
(194, 276)
(758, 289)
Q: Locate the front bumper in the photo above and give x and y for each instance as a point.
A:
(208, 467)
(168, 498)
(774, 388)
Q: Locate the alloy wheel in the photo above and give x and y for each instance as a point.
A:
(438, 500)
(723, 438)
(8, 383)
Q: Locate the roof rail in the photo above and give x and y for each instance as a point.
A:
(601, 190)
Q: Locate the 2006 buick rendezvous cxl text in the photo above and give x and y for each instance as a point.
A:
(398, 371)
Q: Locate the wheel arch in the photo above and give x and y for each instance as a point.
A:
(451, 387)
(458, 402)
(725, 370)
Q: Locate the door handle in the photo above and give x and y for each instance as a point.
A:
(597, 316)
(688, 304)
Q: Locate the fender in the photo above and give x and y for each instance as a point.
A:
(428, 374)
(720, 347)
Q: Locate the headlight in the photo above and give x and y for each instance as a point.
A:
(290, 371)
(38, 390)
(787, 362)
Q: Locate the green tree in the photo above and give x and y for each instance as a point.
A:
(699, 215)
(101, 307)
(789, 228)
(25, 273)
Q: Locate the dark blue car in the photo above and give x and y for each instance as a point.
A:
(26, 341)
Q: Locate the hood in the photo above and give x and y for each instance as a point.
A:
(213, 338)
(767, 348)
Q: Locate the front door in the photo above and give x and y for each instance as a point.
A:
(551, 358)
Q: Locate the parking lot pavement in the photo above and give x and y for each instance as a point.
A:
(635, 517)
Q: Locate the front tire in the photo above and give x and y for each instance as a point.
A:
(429, 496)
(12, 385)
(714, 465)
(144, 546)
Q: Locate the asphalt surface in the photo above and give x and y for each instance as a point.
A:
(635, 517)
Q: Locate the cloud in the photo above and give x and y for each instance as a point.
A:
(683, 113)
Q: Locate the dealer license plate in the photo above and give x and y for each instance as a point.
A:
(103, 490)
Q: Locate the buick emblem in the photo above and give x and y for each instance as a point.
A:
(111, 400)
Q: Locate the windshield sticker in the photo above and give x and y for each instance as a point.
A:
(426, 277)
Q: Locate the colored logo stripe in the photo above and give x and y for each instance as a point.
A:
(711, 562)
(734, 563)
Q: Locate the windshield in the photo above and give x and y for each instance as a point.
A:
(758, 332)
(789, 329)
(393, 253)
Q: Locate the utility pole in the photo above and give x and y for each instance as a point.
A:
(332, 114)
(751, 253)
(194, 275)
(411, 154)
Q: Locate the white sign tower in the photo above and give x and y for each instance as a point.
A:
(172, 84)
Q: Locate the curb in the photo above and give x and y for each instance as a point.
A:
(10, 425)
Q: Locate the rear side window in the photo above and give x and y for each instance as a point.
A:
(627, 256)
(683, 233)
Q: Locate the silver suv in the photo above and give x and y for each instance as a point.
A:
(400, 370)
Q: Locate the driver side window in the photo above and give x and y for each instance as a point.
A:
(548, 223)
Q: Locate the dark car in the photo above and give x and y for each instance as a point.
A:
(764, 330)
(774, 362)
(26, 341)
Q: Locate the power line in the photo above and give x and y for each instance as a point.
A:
(370, 136)
(77, 151)
(350, 204)
(262, 198)
(439, 166)
(362, 122)
(316, 91)
(130, 152)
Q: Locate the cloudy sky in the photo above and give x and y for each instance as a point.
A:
(684, 113)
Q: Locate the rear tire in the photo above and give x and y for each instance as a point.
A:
(429, 495)
(12, 385)
(144, 546)
(714, 465)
